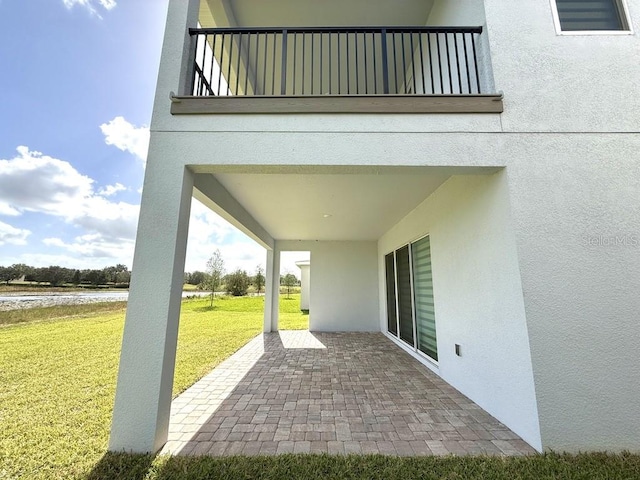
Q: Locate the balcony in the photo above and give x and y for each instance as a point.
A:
(336, 70)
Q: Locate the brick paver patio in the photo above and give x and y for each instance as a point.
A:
(340, 393)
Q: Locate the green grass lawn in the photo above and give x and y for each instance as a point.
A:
(58, 369)
(57, 381)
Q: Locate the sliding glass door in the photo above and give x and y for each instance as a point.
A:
(392, 317)
(405, 312)
(423, 298)
(410, 305)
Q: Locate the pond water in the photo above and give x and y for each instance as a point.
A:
(29, 299)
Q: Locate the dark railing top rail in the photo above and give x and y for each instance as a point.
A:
(392, 29)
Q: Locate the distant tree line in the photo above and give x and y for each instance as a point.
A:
(55, 275)
(236, 283)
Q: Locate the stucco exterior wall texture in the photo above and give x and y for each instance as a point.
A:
(343, 285)
(477, 295)
(536, 267)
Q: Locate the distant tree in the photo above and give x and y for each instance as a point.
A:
(197, 278)
(123, 276)
(57, 275)
(20, 270)
(76, 278)
(96, 277)
(237, 283)
(215, 272)
(258, 279)
(5, 274)
(289, 281)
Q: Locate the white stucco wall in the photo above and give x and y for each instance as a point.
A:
(568, 83)
(477, 294)
(305, 272)
(577, 211)
(343, 287)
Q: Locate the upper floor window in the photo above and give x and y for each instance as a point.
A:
(591, 15)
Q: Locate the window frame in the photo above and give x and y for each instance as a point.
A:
(624, 14)
(396, 337)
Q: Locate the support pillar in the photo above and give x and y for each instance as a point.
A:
(272, 290)
(147, 361)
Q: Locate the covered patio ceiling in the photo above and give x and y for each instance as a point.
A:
(330, 206)
(281, 13)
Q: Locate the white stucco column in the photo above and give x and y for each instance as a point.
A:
(272, 290)
(147, 361)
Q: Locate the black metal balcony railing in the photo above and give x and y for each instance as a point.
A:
(335, 61)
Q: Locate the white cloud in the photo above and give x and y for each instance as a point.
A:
(96, 246)
(127, 137)
(90, 5)
(33, 182)
(108, 4)
(13, 235)
(110, 190)
(208, 232)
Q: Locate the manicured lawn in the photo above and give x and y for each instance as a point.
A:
(59, 312)
(595, 466)
(291, 318)
(58, 368)
(57, 382)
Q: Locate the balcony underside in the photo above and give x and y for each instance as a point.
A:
(192, 105)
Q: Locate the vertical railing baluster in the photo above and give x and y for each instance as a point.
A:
(422, 72)
(446, 40)
(264, 66)
(395, 63)
(366, 76)
(455, 40)
(313, 64)
(221, 63)
(238, 65)
(404, 64)
(348, 66)
(475, 61)
(204, 59)
(330, 65)
(339, 65)
(247, 63)
(273, 70)
(321, 62)
(213, 62)
(295, 54)
(385, 63)
(283, 81)
(466, 61)
(304, 47)
(375, 69)
(357, 68)
(228, 79)
(439, 62)
(255, 65)
(413, 62)
(194, 63)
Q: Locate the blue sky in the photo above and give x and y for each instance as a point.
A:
(77, 92)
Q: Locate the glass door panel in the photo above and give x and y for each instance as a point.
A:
(405, 312)
(392, 317)
(423, 296)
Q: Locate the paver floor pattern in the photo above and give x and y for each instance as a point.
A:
(339, 393)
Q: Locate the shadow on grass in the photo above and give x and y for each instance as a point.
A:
(125, 466)
(207, 308)
(591, 466)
